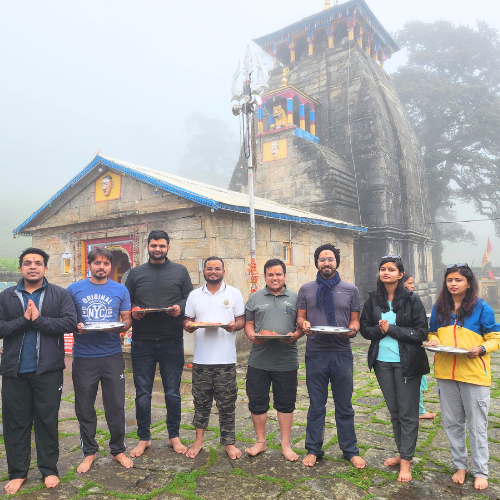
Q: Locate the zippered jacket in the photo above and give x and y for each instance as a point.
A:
(479, 329)
(410, 331)
(158, 286)
(57, 317)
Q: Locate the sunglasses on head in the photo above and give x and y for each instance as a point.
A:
(395, 257)
(461, 264)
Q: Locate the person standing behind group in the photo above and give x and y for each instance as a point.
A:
(157, 337)
(97, 356)
(394, 320)
(409, 283)
(460, 318)
(275, 362)
(34, 315)
(214, 360)
(329, 301)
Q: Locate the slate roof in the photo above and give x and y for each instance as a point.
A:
(204, 194)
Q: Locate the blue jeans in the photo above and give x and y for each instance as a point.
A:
(170, 355)
(322, 368)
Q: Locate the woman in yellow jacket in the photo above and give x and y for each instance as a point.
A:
(461, 319)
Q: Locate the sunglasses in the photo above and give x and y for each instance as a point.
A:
(395, 257)
(462, 264)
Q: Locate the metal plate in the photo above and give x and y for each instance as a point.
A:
(104, 327)
(450, 349)
(154, 310)
(201, 324)
(258, 336)
(335, 330)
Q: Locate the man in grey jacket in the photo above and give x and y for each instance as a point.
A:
(34, 315)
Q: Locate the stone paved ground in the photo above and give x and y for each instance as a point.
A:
(160, 474)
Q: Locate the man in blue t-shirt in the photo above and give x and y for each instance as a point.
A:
(97, 356)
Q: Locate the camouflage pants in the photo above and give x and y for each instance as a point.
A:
(215, 382)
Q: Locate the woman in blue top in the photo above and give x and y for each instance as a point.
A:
(394, 319)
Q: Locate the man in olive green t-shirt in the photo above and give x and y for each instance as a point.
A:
(272, 361)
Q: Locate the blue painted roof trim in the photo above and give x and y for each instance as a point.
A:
(202, 200)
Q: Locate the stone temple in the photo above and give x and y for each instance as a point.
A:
(332, 138)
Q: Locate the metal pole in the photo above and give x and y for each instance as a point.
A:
(253, 245)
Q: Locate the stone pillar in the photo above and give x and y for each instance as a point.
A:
(360, 39)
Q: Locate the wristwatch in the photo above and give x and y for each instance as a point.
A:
(483, 350)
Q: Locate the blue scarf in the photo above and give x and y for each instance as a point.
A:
(324, 294)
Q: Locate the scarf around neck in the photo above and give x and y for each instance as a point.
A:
(324, 294)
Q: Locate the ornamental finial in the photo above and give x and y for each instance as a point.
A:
(327, 5)
(284, 80)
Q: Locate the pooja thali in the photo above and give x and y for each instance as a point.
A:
(450, 349)
(332, 330)
(113, 326)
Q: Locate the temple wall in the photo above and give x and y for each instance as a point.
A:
(195, 232)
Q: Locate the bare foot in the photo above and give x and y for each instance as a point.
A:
(178, 447)
(13, 486)
(140, 448)
(405, 471)
(480, 483)
(194, 449)
(459, 476)
(288, 453)
(358, 462)
(51, 481)
(86, 464)
(310, 460)
(124, 460)
(232, 452)
(391, 462)
(427, 414)
(256, 449)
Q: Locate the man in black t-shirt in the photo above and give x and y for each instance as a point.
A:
(157, 337)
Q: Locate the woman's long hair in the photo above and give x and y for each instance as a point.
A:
(445, 304)
(381, 292)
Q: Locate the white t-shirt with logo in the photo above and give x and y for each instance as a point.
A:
(215, 346)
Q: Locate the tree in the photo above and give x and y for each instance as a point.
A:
(212, 151)
(450, 88)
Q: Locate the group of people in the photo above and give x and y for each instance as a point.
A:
(35, 314)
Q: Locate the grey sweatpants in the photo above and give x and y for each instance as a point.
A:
(466, 405)
(401, 397)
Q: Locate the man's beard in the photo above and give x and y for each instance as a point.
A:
(153, 257)
(214, 282)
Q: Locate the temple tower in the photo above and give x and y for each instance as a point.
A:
(332, 138)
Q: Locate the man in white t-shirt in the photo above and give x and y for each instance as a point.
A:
(214, 362)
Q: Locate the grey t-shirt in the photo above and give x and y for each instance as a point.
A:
(277, 313)
(345, 299)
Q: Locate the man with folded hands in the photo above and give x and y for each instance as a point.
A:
(97, 356)
(214, 362)
(273, 361)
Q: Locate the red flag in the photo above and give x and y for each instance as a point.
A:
(486, 253)
(490, 275)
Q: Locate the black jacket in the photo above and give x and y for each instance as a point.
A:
(57, 317)
(410, 331)
(158, 285)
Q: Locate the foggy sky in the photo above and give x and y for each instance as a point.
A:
(122, 76)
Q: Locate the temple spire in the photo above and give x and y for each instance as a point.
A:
(327, 5)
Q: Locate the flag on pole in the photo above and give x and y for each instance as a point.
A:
(490, 275)
(486, 253)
